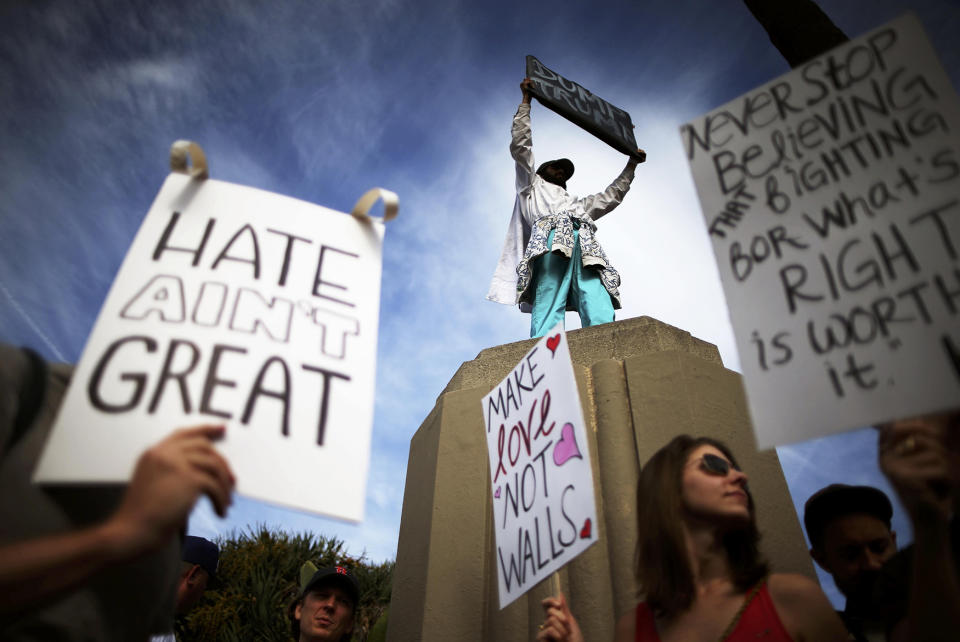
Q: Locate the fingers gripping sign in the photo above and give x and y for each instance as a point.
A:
(915, 456)
(168, 479)
(526, 86)
(559, 625)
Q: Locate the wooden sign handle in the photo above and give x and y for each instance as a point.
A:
(555, 584)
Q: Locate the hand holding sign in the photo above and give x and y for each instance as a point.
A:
(831, 199)
(582, 107)
(246, 307)
(559, 625)
(167, 480)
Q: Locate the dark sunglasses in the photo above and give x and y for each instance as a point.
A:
(716, 465)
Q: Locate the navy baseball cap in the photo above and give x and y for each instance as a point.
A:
(202, 552)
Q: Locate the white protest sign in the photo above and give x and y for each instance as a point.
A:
(237, 306)
(543, 503)
(832, 199)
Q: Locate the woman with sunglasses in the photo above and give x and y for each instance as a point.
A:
(699, 564)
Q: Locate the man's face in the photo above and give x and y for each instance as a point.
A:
(555, 174)
(326, 613)
(854, 548)
(192, 585)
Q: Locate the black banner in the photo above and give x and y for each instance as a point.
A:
(580, 106)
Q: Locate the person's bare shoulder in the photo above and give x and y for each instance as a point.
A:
(804, 610)
(793, 586)
(625, 627)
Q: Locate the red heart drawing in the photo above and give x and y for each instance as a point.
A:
(585, 531)
(552, 343)
(497, 494)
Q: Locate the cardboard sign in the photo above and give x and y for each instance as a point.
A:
(236, 306)
(543, 503)
(610, 124)
(832, 198)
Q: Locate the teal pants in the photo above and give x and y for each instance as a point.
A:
(556, 278)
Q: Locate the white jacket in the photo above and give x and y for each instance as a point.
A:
(537, 199)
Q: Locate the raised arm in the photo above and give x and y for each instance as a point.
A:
(599, 204)
(521, 139)
(166, 483)
(921, 458)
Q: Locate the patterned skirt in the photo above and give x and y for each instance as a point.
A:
(591, 253)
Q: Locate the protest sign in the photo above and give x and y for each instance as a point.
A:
(243, 307)
(543, 504)
(610, 124)
(832, 200)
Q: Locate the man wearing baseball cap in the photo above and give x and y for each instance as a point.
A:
(850, 538)
(327, 605)
(201, 557)
(551, 261)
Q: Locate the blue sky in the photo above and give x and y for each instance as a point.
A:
(323, 100)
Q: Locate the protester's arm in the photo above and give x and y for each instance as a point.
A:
(559, 625)
(804, 610)
(521, 139)
(597, 205)
(915, 457)
(166, 483)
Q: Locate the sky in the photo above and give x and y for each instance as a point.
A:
(323, 100)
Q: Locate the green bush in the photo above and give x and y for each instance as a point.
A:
(258, 578)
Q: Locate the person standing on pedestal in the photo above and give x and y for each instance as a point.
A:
(551, 261)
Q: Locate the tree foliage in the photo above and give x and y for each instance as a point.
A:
(258, 580)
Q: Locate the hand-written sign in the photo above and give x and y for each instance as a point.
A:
(832, 198)
(543, 502)
(240, 306)
(610, 124)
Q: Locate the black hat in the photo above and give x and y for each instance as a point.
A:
(202, 552)
(565, 163)
(334, 575)
(837, 500)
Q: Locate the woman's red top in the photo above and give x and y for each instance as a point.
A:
(759, 622)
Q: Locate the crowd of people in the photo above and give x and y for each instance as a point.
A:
(702, 577)
(113, 564)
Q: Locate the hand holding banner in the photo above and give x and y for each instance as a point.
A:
(240, 306)
(582, 107)
(832, 198)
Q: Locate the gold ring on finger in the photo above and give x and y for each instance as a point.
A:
(907, 446)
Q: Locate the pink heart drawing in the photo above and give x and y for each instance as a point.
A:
(497, 494)
(566, 448)
(552, 343)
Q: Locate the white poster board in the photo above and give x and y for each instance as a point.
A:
(236, 306)
(542, 484)
(832, 199)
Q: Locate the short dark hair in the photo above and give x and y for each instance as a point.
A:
(838, 500)
(663, 566)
